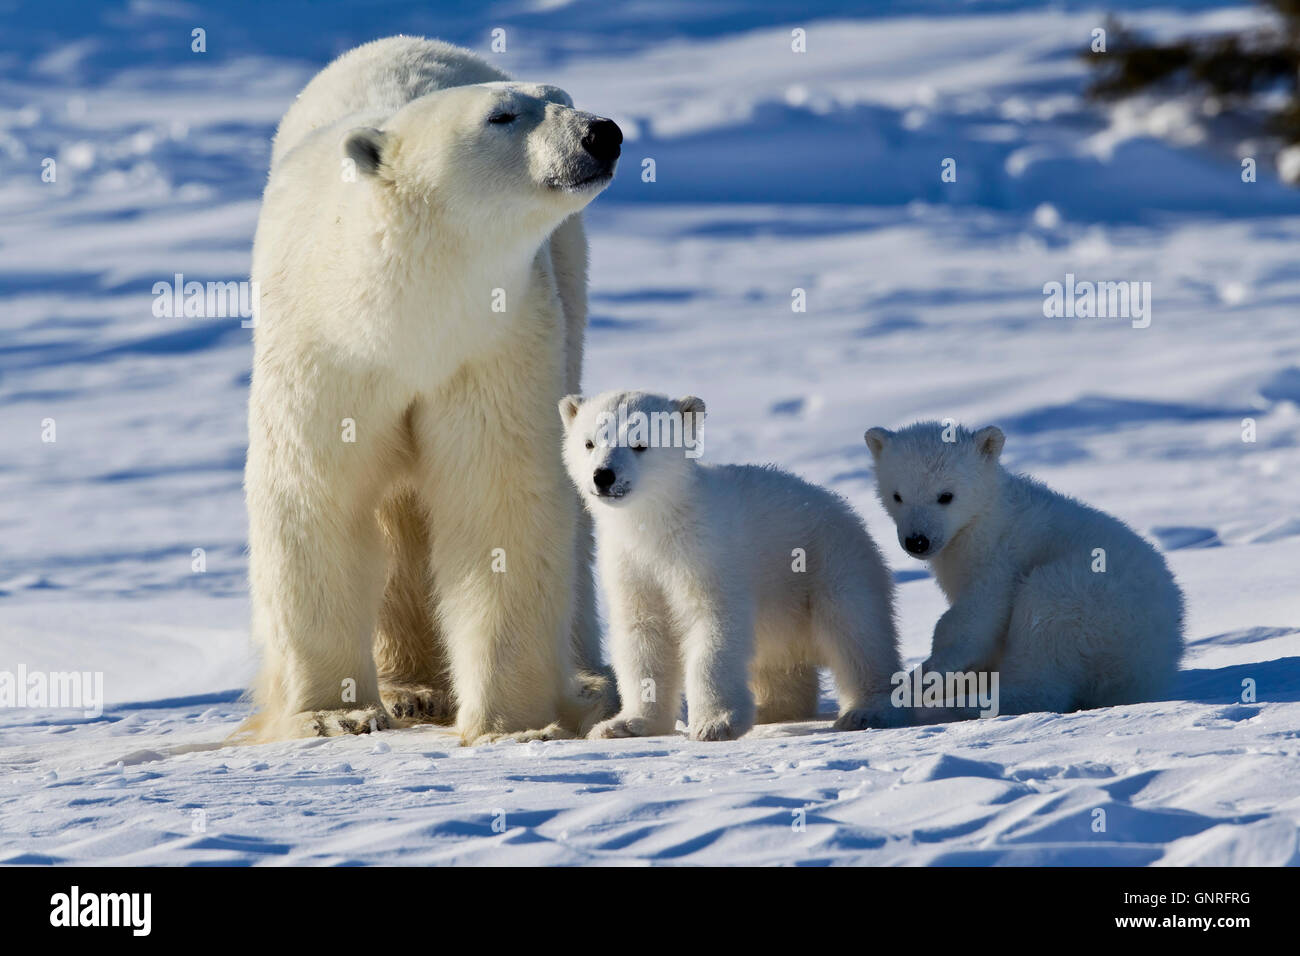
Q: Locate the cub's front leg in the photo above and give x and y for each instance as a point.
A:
(719, 650)
(968, 635)
(646, 656)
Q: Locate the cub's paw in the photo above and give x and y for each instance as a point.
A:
(621, 727)
(418, 703)
(718, 727)
(340, 723)
(549, 732)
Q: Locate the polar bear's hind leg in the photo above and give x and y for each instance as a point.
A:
(410, 655)
(783, 693)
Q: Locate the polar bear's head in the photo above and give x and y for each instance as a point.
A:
(631, 448)
(934, 480)
(493, 154)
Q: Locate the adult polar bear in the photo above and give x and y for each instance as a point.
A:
(422, 274)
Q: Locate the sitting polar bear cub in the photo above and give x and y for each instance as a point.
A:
(1068, 604)
(736, 580)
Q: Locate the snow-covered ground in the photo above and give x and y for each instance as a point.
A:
(774, 171)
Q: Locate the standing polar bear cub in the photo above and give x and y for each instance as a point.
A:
(1069, 605)
(422, 268)
(734, 581)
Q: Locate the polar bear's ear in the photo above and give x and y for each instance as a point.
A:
(989, 441)
(569, 406)
(690, 405)
(553, 94)
(876, 438)
(365, 147)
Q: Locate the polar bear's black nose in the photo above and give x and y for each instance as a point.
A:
(603, 139)
(916, 544)
(604, 478)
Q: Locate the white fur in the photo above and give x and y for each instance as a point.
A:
(699, 565)
(377, 281)
(1015, 560)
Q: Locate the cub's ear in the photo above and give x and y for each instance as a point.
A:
(365, 147)
(690, 405)
(876, 439)
(569, 406)
(989, 442)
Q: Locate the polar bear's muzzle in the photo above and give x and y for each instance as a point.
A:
(607, 484)
(601, 144)
(917, 545)
(604, 141)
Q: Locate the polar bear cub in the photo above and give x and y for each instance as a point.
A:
(734, 582)
(1069, 605)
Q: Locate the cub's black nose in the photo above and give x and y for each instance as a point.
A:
(603, 139)
(917, 544)
(604, 478)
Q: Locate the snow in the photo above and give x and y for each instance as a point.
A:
(774, 171)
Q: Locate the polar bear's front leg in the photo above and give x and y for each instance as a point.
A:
(503, 566)
(597, 696)
(647, 659)
(719, 651)
(315, 471)
(503, 549)
(968, 635)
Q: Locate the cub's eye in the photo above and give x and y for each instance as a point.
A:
(590, 444)
(898, 497)
(500, 119)
(945, 498)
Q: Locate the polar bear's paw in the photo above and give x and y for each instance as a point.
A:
(549, 732)
(418, 703)
(598, 693)
(875, 715)
(341, 723)
(592, 698)
(725, 726)
(617, 727)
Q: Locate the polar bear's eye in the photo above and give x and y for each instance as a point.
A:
(898, 497)
(500, 119)
(945, 498)
(590, 444)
